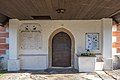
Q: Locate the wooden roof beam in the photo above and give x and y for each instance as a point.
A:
(115, 13)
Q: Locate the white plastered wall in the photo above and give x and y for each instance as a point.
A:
(77, 27)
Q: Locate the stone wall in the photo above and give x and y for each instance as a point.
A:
(116, 62)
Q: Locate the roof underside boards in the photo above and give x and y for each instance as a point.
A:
(74, 9)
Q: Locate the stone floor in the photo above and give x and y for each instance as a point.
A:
(59, 75)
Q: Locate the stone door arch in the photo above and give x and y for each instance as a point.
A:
(60, 30)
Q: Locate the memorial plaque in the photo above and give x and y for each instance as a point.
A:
(30, 36)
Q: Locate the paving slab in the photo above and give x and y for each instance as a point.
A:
(43, 75)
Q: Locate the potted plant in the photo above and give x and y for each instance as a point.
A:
(88, 54)
(86, 62)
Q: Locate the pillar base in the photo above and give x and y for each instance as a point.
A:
(108, 64)
(13, 65)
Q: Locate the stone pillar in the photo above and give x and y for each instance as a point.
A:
(13, 61)
(107, 43)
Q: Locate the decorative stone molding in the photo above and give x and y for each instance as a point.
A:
(30, 36)
(72, 45)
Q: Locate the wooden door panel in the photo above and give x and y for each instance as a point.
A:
(61, 50)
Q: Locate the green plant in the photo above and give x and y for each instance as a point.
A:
(2, 72)
(87, 55)
(1, 63)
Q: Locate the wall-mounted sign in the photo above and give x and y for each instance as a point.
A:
(30, 36)
(92, 41)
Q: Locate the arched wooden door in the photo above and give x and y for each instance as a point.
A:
(61, 50)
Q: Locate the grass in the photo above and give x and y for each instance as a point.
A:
(2, 72)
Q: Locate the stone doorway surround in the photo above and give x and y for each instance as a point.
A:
(50, 46)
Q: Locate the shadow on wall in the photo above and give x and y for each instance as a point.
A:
(116, 62)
